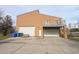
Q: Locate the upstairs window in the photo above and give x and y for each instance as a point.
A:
(46, 22)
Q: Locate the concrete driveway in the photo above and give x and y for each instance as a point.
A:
(34, 45)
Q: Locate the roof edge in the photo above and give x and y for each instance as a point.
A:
(34, 11)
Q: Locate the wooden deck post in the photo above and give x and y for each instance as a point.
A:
(65, 32)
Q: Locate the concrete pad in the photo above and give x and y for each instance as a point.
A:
(34, 45)
(9, 48)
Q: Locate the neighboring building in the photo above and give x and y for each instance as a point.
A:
(36, 24)
(74, 24)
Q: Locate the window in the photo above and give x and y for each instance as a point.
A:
(46, 22)
(58, 21)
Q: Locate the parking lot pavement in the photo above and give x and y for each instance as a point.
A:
(34, 45)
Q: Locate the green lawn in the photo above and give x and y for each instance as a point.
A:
(74, 38)
(3, 37)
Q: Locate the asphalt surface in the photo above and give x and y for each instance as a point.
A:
(35, 45)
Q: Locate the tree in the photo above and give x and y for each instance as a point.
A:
(1, 19)
(7, 27)
(5, 23)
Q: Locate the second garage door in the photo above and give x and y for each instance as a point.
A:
(27, 30)
(51, 32)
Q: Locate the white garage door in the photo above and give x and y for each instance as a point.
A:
(27, 30)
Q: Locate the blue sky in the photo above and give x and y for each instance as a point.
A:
(69, 12)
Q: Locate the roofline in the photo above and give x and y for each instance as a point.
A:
(38, 13)
(49, 15)
(28, 12)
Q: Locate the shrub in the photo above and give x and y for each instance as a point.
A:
(74, 30)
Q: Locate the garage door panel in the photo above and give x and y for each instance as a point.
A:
(51, 32)
(27, 30)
